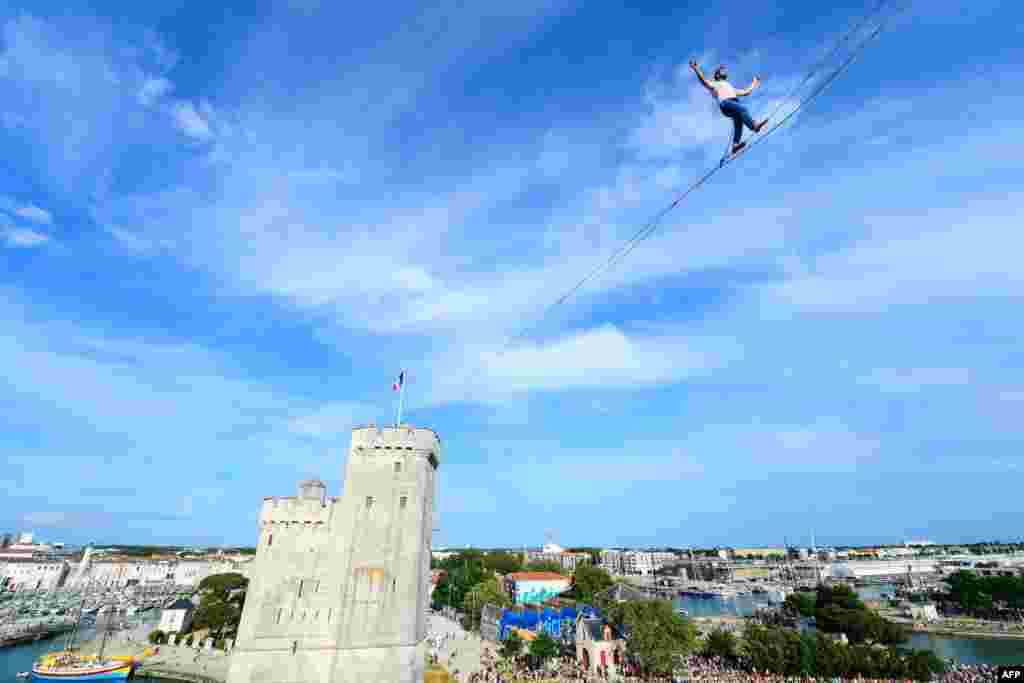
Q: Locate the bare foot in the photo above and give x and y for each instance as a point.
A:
(737, 148)
(758, 127)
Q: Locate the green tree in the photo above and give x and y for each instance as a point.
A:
(808, 654)
(223, 583)
(487, 592)
(803, 603)
(658, 636)
(157, 637)
(888, 633)
(217, 615)
(512, 646)
(543, 647)
(721, 643)
(922, 665)
(222, 600)
(460, 577)
(783, 651)
(766, 649)
(839, 596)
(588, 581)
(503, 562)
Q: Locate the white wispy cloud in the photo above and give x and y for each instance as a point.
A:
(333, 421)
(604, 357)
(916, 262)
(23, 237)
(153, 89)
(35, 214)
(190, 122)
(28, 212)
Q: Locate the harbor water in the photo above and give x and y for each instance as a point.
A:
(995, 651)
(964, 650)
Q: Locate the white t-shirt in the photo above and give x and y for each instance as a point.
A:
(723, 90)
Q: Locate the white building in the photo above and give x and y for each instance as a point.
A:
(192, 572)
(553, 553)
(119, 573)
(41, 574)
(644, 563)
(611, 561)
(107, 574)
(441, 555)
(178, 617)
(637, 563)
(661, 558)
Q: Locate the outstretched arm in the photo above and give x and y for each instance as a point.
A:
(700, 75)
(753, 86)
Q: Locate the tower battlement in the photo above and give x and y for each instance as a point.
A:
(284, 511)
(404, 437)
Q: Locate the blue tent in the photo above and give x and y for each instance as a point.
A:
(555, 622)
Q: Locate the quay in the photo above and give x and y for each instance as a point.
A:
(178, 663)
(17, 634)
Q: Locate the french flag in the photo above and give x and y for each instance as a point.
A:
(398, 382)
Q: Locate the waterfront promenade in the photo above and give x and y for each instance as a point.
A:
(174, 662)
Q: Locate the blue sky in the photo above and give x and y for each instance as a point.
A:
(226, 227)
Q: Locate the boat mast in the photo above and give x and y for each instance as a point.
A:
(103, 643)
(74, 630)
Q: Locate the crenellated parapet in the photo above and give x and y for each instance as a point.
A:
(297, 512)
(369, 442)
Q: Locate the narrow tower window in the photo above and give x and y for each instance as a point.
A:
(403, 501)
(270, 540)
(369, 502)
(398, 467)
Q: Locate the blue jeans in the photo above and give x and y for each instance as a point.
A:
(740, 117)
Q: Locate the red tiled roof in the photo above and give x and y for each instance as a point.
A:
(536, 576)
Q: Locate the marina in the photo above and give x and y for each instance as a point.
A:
(31, 621)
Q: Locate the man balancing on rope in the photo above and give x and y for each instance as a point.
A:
(727, 98)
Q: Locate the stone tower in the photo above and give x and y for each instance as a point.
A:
(338, 590)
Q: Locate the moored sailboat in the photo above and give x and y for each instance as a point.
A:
(69, 665)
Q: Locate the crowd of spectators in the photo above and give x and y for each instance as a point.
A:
(696, 670)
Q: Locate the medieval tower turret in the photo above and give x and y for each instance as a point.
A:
(339, 587)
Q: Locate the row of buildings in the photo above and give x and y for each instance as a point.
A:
(615, 562)
(39, 568)
(635, 562)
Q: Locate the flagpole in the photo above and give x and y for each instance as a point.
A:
(401, 395)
